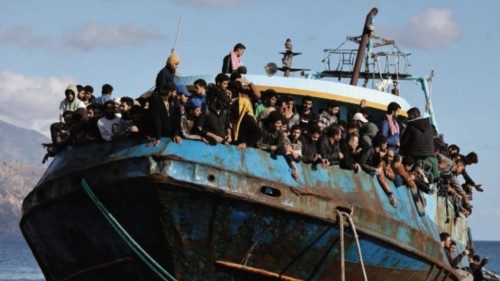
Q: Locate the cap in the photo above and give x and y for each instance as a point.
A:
(194, 103)
(359, 117)
(182, 90)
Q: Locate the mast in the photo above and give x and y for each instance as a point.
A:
(367, 32)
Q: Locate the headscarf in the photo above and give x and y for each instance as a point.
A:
(173, 59)
(393, 125)
(244, 108)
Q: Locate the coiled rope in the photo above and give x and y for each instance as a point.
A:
(131, 243)
(341, 216)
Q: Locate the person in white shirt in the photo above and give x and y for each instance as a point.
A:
(110, 126)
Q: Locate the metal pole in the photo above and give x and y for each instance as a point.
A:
(430, 109)
(177, 36)
(367, 31)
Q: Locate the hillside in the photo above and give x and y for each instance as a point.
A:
(20, 169)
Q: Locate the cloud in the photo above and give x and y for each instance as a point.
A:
(31, 101)
(95, 35)
(82, 38)
(431, 30)
(209, 2)
(24, 37)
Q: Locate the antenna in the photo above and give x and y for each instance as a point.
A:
(177, 36)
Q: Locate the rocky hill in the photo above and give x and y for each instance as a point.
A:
(20, 169)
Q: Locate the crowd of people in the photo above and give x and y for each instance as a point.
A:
(232, 110)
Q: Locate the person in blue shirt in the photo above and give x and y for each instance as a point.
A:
(389, 127)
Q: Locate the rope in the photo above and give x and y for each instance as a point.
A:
(341, 215)
(342, 249)
(131, 243)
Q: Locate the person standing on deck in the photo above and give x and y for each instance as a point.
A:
(390, 127)
(232, 61)
(167, 73)
(165, 115)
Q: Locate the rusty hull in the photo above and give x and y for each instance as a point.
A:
(198, 208)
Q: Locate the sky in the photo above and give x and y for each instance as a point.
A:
(46, 45)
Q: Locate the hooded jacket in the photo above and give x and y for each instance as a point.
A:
(417, 138)
(72, 106)
(367, 132)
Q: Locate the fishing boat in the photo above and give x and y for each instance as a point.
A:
(192, 211)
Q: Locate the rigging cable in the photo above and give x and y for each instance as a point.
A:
(131, 243)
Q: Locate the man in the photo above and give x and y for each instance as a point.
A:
(417, 139)
(371, 163)
(110, 126)
(200, 90)
(329, 147)
(88, 96)
(192, 123)
(367, 130)
(307, 117)
(217, 121)
(310, 142)
(352, 154)
(71, 103)
(167, 73)
(450, 249)
(263, 110)
(276, 142)
(164, 115)
(106, 92)
(390, 127)
(232, 61)
(329, 116)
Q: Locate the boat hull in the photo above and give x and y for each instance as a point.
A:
(197, 235)
(212, 213)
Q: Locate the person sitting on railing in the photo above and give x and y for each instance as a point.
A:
(246, 131)
(403, 173)
(263, 110)
(390, 127)
(232, 61)
(307, 116)
(386, 165)
(60, 136)
(470, 159)
(455, 261)
(329, 147)
(476, 266)
(370, 162)
(193, 122)
(352, 154)
(164, 111)
(217, 122)
(330, 115)
(276, 142)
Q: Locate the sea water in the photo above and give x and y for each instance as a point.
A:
(17, 262)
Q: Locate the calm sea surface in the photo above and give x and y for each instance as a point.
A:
(17, 262)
